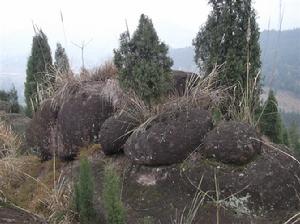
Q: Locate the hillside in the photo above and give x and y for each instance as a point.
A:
(281, 59)
(280, 65)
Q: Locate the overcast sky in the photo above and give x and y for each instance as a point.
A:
(176, 21)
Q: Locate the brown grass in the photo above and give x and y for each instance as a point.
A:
(27, 183)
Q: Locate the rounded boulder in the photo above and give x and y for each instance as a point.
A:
(114, 133)
(169, 138)
(80, 119)
(232, 142)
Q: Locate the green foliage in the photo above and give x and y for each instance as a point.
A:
(230, 38)
(216, 115)
(11, 97)
(142, 62)
(61, 63)
(4, 96)
(38, 70)
(294, 138)
(112, 196)
(270, 123)
(83, 194)
(285, 136)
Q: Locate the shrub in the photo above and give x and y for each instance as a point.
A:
(270, 123)
(112, 193)
(142, 62)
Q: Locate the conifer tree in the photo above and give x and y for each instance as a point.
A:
(38, 70)
(112, 196)
(84, 190)
(230, 37)
(11, 97)
(61, 63)
(13, 100)
(294, 138)
(285, 137)
(270, 123)
(142, 62)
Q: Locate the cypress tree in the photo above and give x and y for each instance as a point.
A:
(13, 100)
(61, 63)
(11, 97)
(142, 62)
(84, 190)
(285, 137)
(294, 138)
(230, 37)
(38, 70)
(112, 196)
(270, 123)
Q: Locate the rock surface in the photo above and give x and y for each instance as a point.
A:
(114, 133)
(232, 142)
(14, 216)
(80, 119)
(41, 132)
(170, 138)
(262, 192)
(71, 120)
(248, 192)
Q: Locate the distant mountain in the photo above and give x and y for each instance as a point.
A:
(280, 65)
(281, 59)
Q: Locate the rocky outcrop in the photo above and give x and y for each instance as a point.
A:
(80, 119)
(114, 133)
(169, 138)
(248, 192)
(41, 131)
(180, 79)
(232, 142)
(70, 120)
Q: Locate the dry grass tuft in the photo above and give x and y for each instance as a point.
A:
(9, 142)
(188, 215)
(27, 183)
(199, 92)
(101, 73)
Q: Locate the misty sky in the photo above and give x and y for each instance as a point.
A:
(176, 22)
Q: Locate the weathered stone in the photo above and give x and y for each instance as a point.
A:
(170, 138)
(41, 131)
(114, 133)
(232, 142)
(80, 119)
(264, 191)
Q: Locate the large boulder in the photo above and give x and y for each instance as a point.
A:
(264, 191)
(41, 133)
(114, 133)
(180, 79)
(232, 142)
(170, 138)
(80, 119)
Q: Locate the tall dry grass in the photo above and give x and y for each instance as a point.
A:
(56, 200)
